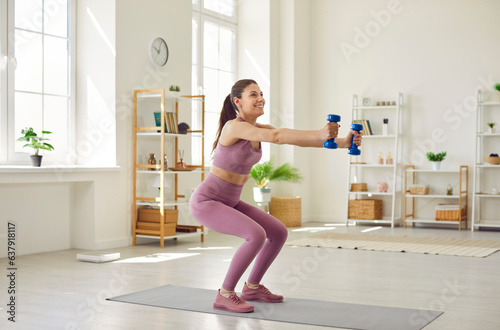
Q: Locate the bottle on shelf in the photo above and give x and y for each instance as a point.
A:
(388, 161)
(385, 127)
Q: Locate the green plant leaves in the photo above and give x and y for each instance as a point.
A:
(36, 142)
(436, 157)
(264, 172)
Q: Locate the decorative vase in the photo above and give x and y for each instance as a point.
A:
(152, 161)
(436, 166)
(261, 195)
(491, 130)
(36, 160)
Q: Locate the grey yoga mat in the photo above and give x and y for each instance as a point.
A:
(301, 311)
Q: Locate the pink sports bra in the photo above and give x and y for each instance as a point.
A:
(237, 158)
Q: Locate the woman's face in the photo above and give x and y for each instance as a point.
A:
(251, 102)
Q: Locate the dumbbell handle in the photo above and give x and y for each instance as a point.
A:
(331, 144)
(353, 150)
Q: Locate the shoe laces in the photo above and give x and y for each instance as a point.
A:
(264, 290)
(235, 299)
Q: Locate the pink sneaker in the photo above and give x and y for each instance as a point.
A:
(261, 294)
(232, 304)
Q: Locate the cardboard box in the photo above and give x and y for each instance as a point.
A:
(153, 215)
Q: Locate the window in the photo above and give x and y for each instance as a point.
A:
(37, 88)
(214, 59)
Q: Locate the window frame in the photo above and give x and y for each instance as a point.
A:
(8, 136)
(202, 15)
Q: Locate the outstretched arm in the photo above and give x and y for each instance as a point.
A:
(235, 130)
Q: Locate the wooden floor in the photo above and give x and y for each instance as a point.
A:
(55, 291)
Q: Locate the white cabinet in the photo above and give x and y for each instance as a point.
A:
(418, 198)
(156, 186)
(368, 167)
(486, 187)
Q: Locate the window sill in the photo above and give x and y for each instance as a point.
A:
(55, 168)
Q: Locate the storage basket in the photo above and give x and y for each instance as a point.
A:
(365, 209)
(419, 189)
(359, 187)
(169, 228)
(447, 212)
(287, 210)
(153, 215)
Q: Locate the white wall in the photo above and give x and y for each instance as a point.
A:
(435, 52)
(137, 23)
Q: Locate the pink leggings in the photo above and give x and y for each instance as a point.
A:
(216, 205)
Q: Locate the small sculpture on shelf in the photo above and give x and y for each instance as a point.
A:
(382, 187)
(152, 161)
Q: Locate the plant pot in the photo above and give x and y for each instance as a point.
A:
(261, 195)
(436, 166)
(36, 160)
(491, 130)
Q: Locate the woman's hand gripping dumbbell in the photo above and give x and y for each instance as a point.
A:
(352, 141)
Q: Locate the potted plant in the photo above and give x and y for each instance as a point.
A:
(174, 89)
(497, 87)
(36, 142)
(491, 127)
(265, 172)
(436, 159)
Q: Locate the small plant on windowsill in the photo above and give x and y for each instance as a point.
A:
(497, 87)
(37, 143)
(436, 159)
(174, 88)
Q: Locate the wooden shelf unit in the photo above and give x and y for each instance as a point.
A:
(411, 173)
(140, 170)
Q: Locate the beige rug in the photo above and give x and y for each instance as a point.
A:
(426, 245)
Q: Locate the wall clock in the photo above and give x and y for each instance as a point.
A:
(158, 51)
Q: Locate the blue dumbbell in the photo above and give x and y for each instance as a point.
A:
(353, 150)
(331, 144)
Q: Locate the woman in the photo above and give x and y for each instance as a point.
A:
(216, 202)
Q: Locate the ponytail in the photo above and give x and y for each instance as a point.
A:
(229, 109)
(228, 113)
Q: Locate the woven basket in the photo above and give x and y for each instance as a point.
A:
(419, 190)
(450, 215)
(359, 187)
(287, 210)
(365, 209)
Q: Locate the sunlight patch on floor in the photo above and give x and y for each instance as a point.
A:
(157, 257)
(312, 229)
(371, 229)
(210, 248)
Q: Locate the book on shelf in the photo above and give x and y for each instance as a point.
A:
(171, 123)
(367, 130)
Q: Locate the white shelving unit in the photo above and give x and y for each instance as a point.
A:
(486, 177)
(146, 102)
(461, 197)
(366, 167)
